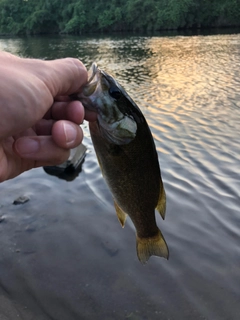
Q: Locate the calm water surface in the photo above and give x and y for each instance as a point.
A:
(64, 255)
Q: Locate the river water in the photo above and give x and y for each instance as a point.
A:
(64, 255)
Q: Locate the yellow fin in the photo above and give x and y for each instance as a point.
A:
(154, 246)
(122, 216)
(99, 162)
(161, 206)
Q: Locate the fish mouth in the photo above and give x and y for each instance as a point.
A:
(98, 81)
(93, 78)
(94, 75)
(97, 77)
(92, 72)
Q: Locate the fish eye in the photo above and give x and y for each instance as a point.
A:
(115, 93)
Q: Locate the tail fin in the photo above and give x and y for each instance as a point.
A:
(154, 246)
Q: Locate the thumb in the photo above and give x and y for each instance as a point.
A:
(63, 76)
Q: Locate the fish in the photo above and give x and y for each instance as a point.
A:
(128, 160)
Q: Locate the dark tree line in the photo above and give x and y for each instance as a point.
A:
(82, 16)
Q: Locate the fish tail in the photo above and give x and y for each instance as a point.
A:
(154, 246)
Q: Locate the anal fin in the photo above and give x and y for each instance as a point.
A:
(154, 246)
(122, 216)
(161, 206)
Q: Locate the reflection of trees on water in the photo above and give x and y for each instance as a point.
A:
(163, 66)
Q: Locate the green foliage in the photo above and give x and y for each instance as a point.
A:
(78, 16)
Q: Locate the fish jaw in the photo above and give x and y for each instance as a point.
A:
(115, 126)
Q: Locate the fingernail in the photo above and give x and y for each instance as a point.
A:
(27, 146)
(70, 133)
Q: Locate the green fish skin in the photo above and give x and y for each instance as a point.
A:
(128, 160)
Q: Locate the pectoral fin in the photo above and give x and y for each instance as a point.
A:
(161, 206)
(154, 246)
(99, 162)
(122, 216)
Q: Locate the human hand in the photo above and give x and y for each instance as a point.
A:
(39, 124)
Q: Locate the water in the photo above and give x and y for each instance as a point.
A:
(64, 255)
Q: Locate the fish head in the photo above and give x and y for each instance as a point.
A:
(115, 116)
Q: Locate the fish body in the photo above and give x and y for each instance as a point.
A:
(128, 160)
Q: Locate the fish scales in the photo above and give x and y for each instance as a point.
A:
(132, 176)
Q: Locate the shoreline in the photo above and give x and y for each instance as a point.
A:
(193, 30)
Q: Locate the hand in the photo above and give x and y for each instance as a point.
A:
(39, 124)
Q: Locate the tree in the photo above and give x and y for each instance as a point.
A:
(79, 16)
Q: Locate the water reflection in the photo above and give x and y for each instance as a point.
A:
(64, 255)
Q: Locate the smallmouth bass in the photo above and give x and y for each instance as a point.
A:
(128, 159)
